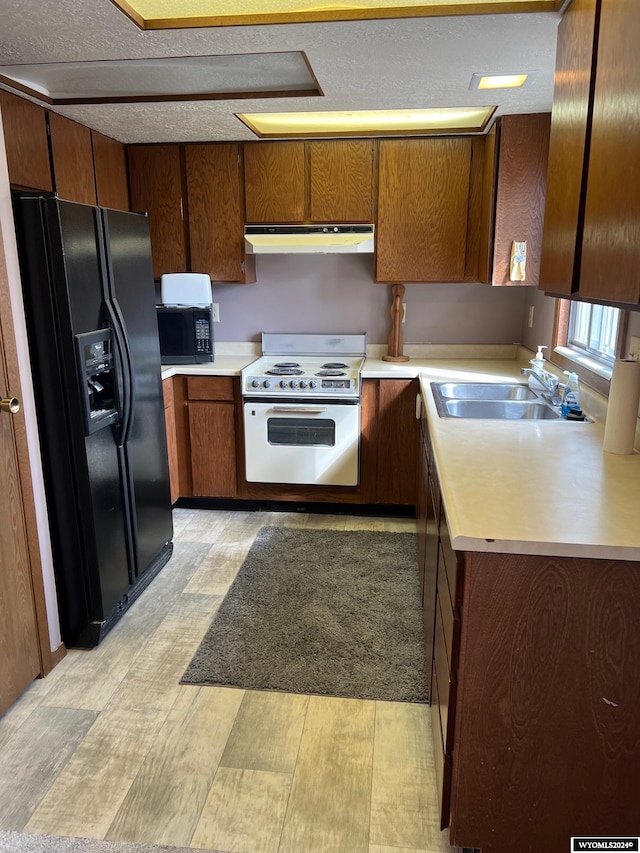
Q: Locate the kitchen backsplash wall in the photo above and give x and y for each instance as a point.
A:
(335, 293)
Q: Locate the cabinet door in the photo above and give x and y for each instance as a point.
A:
(110, 164)
(397, 434)
(566, 176)
(611, 238)
(423, 200)
(72, 160)
(216, 212)
(274, 176)
(172, 438)
(341, 181)
(213, 449)
(156, 187)
(25, 136)
(520, 196)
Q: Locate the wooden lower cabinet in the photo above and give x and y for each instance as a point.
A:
(172, 439)
(212, 436)
(534, 692)
(388, 453)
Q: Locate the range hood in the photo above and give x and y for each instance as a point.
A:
(308, 239)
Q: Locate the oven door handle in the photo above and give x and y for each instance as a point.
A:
(301, 410)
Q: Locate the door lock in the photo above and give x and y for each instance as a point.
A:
(11, 405)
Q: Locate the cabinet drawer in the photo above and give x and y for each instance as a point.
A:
(443, 762)
(449, 558)
(210, 387)
(446, 685)
(446, 614)
(435, 497)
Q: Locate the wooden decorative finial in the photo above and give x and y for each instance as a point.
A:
(395, 335)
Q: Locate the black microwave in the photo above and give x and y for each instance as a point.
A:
(186, 335)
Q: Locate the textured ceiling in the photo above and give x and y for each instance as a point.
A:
(386, 64)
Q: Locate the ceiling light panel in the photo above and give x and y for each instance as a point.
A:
(252, 75)
(168, 14)
(485, 80)
(369, 122)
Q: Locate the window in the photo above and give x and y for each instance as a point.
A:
(587, 339)
(594, 329)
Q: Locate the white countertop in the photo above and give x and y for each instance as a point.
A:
(224, 365)
(531, 487)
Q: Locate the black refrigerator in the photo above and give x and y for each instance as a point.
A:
(93, 337)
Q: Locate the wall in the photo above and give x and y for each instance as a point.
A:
(336, 293)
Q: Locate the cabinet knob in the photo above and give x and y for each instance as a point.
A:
(10, 405)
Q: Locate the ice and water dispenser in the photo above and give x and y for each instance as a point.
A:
(98, 380)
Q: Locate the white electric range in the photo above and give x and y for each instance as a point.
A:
(301, 405)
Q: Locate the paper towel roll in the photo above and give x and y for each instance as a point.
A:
(622, 410)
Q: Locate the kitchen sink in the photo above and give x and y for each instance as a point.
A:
(502, 401)
(507, 410)
(485, 391)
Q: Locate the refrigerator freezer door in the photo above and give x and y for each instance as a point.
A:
(145, 446)
(63, 285)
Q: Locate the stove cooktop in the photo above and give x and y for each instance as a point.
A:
(313, 376)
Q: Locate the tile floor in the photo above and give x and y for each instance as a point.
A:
(110, 745)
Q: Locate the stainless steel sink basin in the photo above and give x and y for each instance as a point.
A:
(504, 401)
(485, 391)
(509, 410)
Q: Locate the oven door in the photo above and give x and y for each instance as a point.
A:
(313, 443)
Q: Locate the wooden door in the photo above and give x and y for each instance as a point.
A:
(19, 629)
(72, 154)
(566, 171)
(216, 212)
(341, 181)
(155, 176)
(423, 202)
(25, 136)
(110, 163)
(274, 178)
(611, 237)
(520, 195)
(213, 449)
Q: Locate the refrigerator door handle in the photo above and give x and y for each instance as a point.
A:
(131, 400)
(125, 373)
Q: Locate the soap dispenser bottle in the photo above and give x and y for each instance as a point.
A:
(571, 396)
(538, 361)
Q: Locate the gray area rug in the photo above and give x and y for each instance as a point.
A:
(18, 842)
(326, 612)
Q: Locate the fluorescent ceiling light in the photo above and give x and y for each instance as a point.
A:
(173, 14)
(501, 81)
(369, 122)
(180, 78)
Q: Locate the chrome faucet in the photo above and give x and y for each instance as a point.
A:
(549, 382)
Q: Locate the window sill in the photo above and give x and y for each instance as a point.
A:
(592, 372)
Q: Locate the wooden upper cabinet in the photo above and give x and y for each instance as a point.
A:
(566, 173)
(274, 175)
(25, 136)
(216, 212)
(523, 146)
(72, 154)
(423, 202)
(155, 178)
(611, 236)
(341, 176)
(110, 165)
